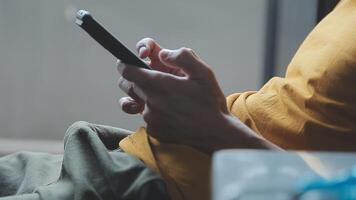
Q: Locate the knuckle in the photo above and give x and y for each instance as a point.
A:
(184, 51)
(131, 90)
(125, 85)
(189, 51)
(125, 72)
(209, 72)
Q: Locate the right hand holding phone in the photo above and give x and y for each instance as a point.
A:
(180, 97)
(146, 48)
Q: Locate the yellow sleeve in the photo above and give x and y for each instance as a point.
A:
(314, 106)
(185, 170)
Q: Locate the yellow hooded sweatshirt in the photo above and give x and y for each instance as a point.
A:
(312, 108)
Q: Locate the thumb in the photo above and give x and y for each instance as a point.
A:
(185, 59)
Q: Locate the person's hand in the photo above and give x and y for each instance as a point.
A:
(181, 99)
(146, 48)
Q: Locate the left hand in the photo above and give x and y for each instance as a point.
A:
(184, 102)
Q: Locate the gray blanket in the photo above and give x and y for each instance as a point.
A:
(91, 168)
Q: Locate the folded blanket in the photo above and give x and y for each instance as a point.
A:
(86, 170)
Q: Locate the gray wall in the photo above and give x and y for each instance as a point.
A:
(52, 73)
(296, 18)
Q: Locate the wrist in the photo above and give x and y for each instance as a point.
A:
(230, 132)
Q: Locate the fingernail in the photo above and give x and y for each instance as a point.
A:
(134, 107)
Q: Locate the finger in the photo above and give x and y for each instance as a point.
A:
(130, 106)
(143, 78)
(127, 87)
(133, 73)
(130, 89)
(185, 59)
(147, 47)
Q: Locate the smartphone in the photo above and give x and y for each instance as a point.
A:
(108, 41)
